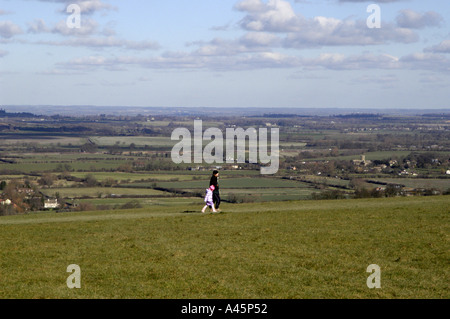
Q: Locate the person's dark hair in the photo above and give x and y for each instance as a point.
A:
(215, 172)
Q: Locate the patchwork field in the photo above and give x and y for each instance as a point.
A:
(240, 189)
(253, 182)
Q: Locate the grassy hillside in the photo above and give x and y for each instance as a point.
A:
(303, 249)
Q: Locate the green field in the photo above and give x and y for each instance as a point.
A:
(27, 167)
(132, 177)
(74, 192)
(47, 140)
(268, 194)
(245, 182)
(246, 189)
(137, 140)
(145, 202)
(371, 156)
(303, 249)
(441, 184)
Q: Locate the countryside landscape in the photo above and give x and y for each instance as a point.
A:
(102, 191)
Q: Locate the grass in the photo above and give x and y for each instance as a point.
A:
(159, 201)
(132, 177)
(378, 155)
(327, 180)
(441, 184)
(243, 182)
(310, 249)
(51, 167)
(372, 156)
(96, 191)
(44, 140)
(137, 140)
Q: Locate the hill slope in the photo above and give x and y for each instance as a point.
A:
(304, 249)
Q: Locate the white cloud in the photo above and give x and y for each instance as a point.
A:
(417, 61)
(322, 31)
(260, 39)
(251, 42)
(8, 29)
(92, 6)
(250, 6)
(197, 60)
(415, 20)
(427, 61)
(86, 6)
(274, 16)
(38, 26)
(443, 47)
(335, 61)
(219, 47)
(107, 42)
(88, 27)
(185, 61)
(277, 16)
(90, 34)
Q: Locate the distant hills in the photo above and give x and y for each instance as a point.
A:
(27, 110)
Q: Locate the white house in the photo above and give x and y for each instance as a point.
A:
(51, 203)
(5, 202)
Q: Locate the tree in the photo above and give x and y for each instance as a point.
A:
(109, 182)
(17, 199)
(90, 180)
(334, 152)
(125, 168)
(46, 180)
(391, 190)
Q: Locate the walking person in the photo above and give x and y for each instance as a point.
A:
(209, 199)
(216, 194)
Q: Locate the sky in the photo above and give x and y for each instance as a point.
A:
(385, 54)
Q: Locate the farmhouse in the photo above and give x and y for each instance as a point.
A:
(5, 202)
(51, 203)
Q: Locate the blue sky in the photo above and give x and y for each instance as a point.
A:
(226, 53)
